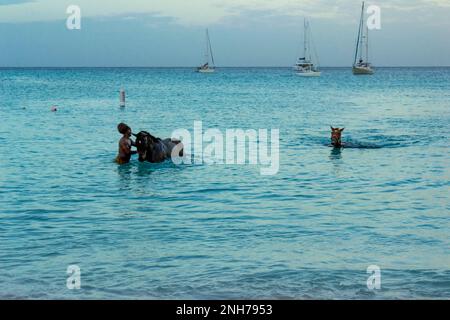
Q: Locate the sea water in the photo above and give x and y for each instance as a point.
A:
(163, 231)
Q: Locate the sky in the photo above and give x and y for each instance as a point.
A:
(171, 33)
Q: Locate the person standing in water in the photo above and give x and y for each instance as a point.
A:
(125, 144)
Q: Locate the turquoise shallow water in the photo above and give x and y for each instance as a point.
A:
(199, 231)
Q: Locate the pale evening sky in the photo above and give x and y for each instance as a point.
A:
(243, 32)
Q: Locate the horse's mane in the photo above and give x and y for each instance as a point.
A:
(154, 139)
(154, 147)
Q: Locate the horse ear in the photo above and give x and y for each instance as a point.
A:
(331, 127)
(342, 129)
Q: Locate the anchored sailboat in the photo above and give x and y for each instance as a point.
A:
(305, 66)
(361, 63)
(209, 65)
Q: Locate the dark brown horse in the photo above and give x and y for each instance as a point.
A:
(156, 150)
(336, 137)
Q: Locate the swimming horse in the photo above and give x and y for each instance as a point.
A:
(155, 150)
(336, 137)
(336, 141)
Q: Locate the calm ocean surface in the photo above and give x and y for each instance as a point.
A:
(200, 231)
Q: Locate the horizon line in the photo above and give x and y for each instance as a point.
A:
(194, 67)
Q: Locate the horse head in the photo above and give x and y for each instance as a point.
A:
(144, 145)
(336, 137)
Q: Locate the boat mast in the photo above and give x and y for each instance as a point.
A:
(362, 33)
(367, 44)
(360, 36)
(211, 51)
(207, 47)
(305, 41)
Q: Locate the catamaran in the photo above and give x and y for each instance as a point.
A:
(305, 66)
(361, 63)
(208, 67)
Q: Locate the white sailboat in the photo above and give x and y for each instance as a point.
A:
(361, 65)
(209, 65)
(305, 66)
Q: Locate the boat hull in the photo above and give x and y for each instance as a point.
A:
(362, 71)
(206, 70)
(309, 74)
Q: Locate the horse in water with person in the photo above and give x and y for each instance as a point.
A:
(156, 150)
(149, 148)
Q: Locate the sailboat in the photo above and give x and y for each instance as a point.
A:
(361, 65)
(208, 67)
(305, 66)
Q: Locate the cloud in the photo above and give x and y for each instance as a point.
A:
(10, 2)
(200, 12)
(441, 3)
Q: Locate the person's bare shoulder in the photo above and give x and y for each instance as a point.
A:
(125, 142)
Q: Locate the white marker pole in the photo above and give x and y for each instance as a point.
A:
(122, 98)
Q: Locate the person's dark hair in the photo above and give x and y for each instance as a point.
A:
(123, 128)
